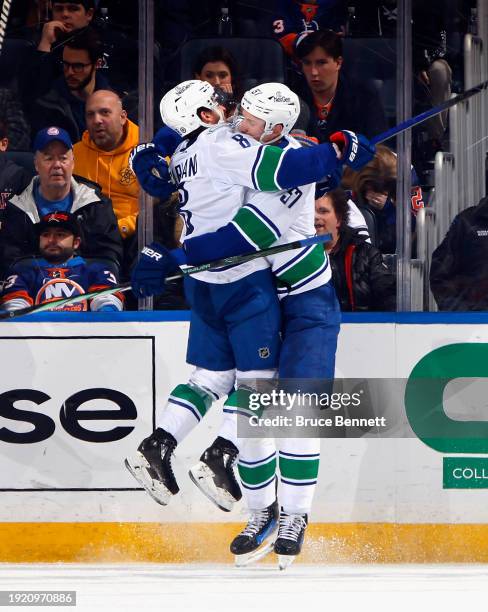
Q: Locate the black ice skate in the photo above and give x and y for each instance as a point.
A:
(214, 474)
(151, 466)
(291, 532)
(256, 540)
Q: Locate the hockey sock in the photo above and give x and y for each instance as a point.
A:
(299, 466)
(257, 469)
(185, 408)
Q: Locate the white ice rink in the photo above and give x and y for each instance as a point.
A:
(219, 588)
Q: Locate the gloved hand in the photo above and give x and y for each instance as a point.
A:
(355, 150)
(148, 164)
(155, 263)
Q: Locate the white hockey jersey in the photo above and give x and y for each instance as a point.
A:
(216, 175)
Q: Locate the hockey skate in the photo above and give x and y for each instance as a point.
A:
(291, 532)
(256, 540)
(214, 474)
(151, 466)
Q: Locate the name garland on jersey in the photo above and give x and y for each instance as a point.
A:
(185, 170)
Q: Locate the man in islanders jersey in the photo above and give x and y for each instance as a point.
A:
(59, 272)
(185, 166)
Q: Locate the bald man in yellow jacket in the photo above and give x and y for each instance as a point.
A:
(102, 155)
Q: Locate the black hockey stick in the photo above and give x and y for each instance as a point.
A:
(218, 263)
(408, 123)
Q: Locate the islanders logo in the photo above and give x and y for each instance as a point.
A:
(59, 288)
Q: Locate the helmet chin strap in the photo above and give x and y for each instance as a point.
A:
(268, 132)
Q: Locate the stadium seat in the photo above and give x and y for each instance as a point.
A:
(370, 219)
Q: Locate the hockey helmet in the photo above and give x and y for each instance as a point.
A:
(275, 103)
(179, 106)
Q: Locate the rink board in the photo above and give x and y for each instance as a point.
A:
(88, 390)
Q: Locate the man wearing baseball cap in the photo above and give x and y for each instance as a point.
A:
(55, 189)
(59, 271)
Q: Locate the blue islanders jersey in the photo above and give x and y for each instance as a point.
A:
(38, 282)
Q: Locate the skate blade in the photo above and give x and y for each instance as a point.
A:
(202, 476)
(285, 561)
(254, 556)
(137, 466)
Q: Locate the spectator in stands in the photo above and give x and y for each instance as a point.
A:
(64, 103)
(459, 266)
(55, 189)
(120, 54)
(336, 100)
(296, 17)
(102, 156)
(59, 271)
(13, 178)
(48, 37)
(218, 66)
(361, 279)
(67, 16)
(374, 186)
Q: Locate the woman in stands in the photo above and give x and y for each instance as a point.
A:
(218, 66)
(361, 279)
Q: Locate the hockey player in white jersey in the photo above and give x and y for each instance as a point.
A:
(305, 271)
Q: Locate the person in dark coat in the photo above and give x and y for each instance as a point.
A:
(361, 279)
(64, 104)
(336, 100)
(459, 266)
(55, 188)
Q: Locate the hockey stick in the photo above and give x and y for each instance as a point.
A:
(408, 123)
(226, 261)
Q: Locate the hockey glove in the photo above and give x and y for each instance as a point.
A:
(353, 149)
(150, 167)
(154, 265)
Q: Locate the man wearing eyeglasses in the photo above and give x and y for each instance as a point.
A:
(64, 103)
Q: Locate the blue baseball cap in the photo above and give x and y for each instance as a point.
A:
(50, 134)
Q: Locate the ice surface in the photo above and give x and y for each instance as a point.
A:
(219, 588)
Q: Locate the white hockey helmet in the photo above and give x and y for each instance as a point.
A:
(275, 103)
(179, 106)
